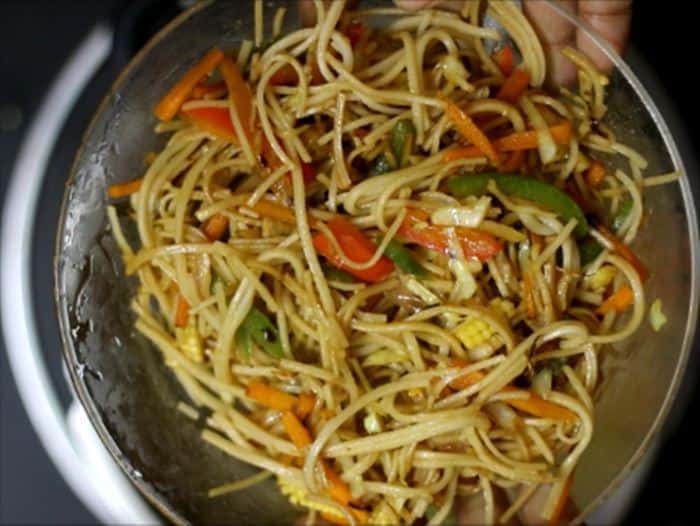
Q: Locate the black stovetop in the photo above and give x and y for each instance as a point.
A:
(37, 37)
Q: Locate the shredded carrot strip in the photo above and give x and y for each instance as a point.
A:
(561, 503)
(514, 162)
(280, 213)
(169, 105)
(595, 174)
(270, 397)
(470, 131)
(514, 86)
(298, 434)
(182, 312)
(526, 140)
(625, 252)
(117, 191)
(336, 489)
(618, 301)
(504, 59)
(533, 405)
(306, 404)
(239, 93)
(215, 227)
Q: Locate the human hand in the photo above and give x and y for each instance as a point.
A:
(609, 18)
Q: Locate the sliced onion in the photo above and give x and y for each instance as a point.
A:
(503, 415)
(542, 382)
(467, 215)
(546, 146)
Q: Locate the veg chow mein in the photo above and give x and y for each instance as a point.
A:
(383, 260)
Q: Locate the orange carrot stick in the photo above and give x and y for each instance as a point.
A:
(239, 93)
(270, 397)
(504, 59)
(533, 405)
(169, 105)
(215, 227)
(526, 140)
(625, 252)
(298, 434)
(336, 488)
(618, 301)
(470, 131)
(595, 174)
(306, 404)
(514, 86)
(528, 296)
(117, 191)
(182, 312)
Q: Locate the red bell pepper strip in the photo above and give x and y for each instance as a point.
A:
(476, 244)
(356, 247)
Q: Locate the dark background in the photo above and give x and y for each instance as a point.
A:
(36, 37)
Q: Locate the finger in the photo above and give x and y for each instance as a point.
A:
(611, 21)
(555, 33)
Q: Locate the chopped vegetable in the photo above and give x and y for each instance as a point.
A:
(542, 382)
(657, 318)
(120, 190)
(335, 274)
(466, 215)
(215, 227)
(618, 301)
(404, 259)
(623, 212)
(270, 397)
(372, 422)
(518, 141)
(473, 332)
(182, 312)
(504, 59)
(278, 212)
(503, 307)
(533, 405)
(470, 131)
(380, 166)
(602, 277)
(420, 290)
(216, 121)
(356, 246)
(475, 243)
(299, 496)
(624, 252)
(546, 147)
(595, 174)
(402, 138)
(257, 328)
(465, 284)
(589, 249)
(336, 489)
(190, 342)
(528, 295)
(539, 192)
(306, 404)
(514, 86)
(514, 162)
(169, 105)
(296, 431)
(239, 94)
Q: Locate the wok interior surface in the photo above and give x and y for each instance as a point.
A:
(131, 396)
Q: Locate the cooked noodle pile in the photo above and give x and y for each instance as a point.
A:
(386, 262)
